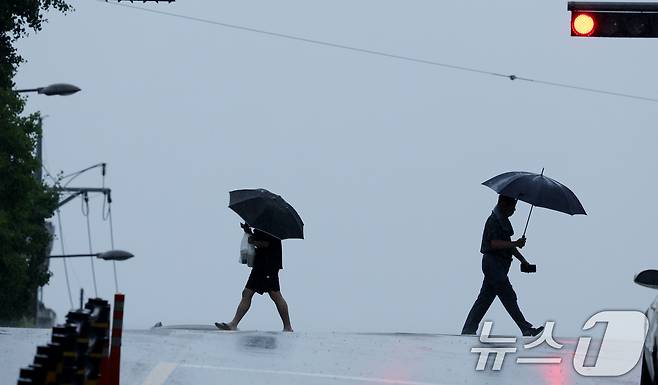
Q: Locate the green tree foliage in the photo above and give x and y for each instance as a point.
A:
(17, 17)
(25, 202)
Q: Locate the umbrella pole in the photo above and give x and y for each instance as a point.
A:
(531, 207)
(528, 221)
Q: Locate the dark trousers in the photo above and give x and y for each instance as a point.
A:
(496, 283)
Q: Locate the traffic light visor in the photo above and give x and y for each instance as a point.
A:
(582, 24)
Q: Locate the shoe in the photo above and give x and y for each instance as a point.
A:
(531, 332)
(468, 333)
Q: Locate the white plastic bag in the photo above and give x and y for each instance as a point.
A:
(247, 251)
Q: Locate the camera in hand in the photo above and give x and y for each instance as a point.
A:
(528, 268)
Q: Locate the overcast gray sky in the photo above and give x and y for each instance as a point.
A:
(382, 158)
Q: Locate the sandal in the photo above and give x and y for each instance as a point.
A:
(223, 326)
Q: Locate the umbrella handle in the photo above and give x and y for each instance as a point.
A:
(528, 221)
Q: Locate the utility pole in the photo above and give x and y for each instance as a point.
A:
(40, 150)
(61, 89)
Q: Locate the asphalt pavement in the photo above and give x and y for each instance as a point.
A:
(198, 355)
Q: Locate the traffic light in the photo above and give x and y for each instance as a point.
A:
(631, 20)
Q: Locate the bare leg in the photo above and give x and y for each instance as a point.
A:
(243, 307)
(282, 307)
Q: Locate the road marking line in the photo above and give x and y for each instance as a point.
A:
(315, 375)
(160, 373)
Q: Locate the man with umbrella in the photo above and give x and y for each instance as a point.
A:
(264, 278)
(497, 247)
(273, 219)
(497, 250)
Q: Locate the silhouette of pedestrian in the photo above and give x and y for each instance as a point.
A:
(497, 251)
(264, 278)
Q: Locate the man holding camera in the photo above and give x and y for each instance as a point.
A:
(498, 251)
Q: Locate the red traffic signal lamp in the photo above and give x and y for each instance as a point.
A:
(582, 24)
(631, 20)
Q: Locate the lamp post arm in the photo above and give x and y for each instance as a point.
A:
(29, 90)
(112, 255)
(74, 255)
(76, 191)
(78, 173)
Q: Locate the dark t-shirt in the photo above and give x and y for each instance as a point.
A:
(267, 258)
(497, 228)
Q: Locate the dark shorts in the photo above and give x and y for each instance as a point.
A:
(262, 281)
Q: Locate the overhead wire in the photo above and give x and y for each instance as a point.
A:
(66, 269)
(49, 175)
(389, 55)
(91, 258)
(108, 199)
(77, 174)
(85, 211)
(114, 263)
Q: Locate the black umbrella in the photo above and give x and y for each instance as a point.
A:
(538, 190)
(268, 212)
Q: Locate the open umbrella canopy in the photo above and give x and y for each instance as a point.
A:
(267, 212)
(536, 189)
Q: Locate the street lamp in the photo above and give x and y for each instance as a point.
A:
(112, 255)
(61, 89)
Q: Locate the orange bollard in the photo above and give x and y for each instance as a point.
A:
(106, 368)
